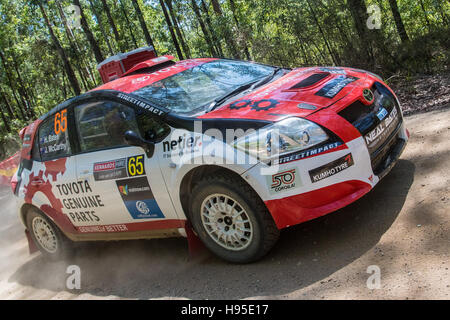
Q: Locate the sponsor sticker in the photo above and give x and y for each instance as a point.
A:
(332, 168)
(283, 181)
(114, 169)
(333, 87)
(119, 168)
(138, 198)
(382, 113)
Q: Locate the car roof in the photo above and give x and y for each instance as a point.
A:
(142, 78)
(132, 82)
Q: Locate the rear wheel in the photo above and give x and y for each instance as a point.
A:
(231, 219)
(46, 235)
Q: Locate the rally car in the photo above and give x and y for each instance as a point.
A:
(224, 150)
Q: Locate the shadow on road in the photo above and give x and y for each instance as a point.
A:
(304, 255)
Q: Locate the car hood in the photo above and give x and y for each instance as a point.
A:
(298, 93)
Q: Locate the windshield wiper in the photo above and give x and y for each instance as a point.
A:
(250, 86)
(265, 80)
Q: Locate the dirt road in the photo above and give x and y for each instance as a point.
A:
(402, 226)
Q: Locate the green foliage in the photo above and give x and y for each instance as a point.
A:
(289, 33)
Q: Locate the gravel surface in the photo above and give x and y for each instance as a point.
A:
(402, 226)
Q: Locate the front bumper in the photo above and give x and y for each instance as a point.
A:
(307, 199)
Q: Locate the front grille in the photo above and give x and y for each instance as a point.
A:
(380, 133)
(378, 157)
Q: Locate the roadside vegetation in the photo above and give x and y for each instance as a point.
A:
(49, 52)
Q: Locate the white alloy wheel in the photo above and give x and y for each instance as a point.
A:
(226, 222)
(45, 234)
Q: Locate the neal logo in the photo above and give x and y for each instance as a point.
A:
(282, 181)
(380, 132)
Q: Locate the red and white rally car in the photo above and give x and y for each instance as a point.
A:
(233, 150)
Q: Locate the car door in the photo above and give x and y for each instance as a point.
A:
(50, 179)
(124, 188)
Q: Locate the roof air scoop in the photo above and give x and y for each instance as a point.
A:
(123, 64)
(310, 81)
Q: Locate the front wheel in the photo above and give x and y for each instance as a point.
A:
(231, 219)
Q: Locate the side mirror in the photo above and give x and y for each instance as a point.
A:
(133, 139)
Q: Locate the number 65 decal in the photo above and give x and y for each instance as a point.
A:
(61, 121)
(135, 166)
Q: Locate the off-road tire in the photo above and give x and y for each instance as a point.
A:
(265, 232)
(64, 247)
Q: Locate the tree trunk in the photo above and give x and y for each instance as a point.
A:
(22, 88)
(67, 67)
(204, 30)
(172, 34)
(113, 25)
(90, 37)
(333, 55)
(358, 10)
(186, 50)
(216, 42)
(217, 8)
(129, 25)
(236, 20)
(398, 21)
(227, 32)
(102, 29)
(140, 16)
(5, 120)
(8, 106)
(81, 63)
(422, 5)
(11, 85)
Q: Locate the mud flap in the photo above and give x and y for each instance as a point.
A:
(195, 245)
(31, 245)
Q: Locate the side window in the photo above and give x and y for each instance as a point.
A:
(151, 127)
(101, 125)
(35, 153)
(54, 137)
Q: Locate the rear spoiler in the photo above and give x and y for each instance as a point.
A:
(149, 63)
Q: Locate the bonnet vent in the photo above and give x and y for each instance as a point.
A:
(311, 80)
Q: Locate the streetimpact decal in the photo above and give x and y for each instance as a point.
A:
(304, 154)
(333, 87)
(332, 168)
(138, 198)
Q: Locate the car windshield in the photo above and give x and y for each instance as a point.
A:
(189, 90)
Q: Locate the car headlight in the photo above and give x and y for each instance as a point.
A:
(285, 136)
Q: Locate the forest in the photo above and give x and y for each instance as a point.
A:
(49, 49)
